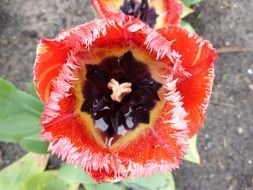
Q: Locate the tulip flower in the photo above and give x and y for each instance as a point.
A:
(122, 99)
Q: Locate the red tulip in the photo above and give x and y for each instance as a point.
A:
(155, 13)
(122, 99)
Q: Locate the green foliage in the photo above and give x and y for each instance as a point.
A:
(192, 154)
(186, 11)
(35, 144)
(111, 186)
(28, 173)
(48, 180)
(157, 182)
(32, 91)
(187, 4)
(15, 175)
(20, 116)
(191, 2)
(19, 113)
(76, 174)
(15, 102)
(16, 127)
(186, 25)
(105, 186)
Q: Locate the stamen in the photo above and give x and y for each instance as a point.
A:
(119, 91)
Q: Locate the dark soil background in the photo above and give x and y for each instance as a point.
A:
(226, 141)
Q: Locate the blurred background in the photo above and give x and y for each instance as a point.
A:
(225, 142)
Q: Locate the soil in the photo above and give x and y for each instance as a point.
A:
(226, 141)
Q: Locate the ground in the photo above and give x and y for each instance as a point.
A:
(226, 141)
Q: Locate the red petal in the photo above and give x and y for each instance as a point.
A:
(169, 10)
(100, 8)
(174, 9)
(198, 58)
(50, 57)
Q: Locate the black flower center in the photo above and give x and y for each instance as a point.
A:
(140, 10)
(112, 117)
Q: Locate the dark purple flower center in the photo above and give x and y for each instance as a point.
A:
(116, 118)
(140, 10)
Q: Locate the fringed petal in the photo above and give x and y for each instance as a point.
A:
(60, 89)
(195, 72)
(101, 7)
(173, 9)
(50, 57)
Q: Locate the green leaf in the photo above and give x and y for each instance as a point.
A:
(109, 186)
(105, 186)
(32, 91)
(15, 175)
(186, 11)
(19, 113)
(49, 180)
(94, 12)
(17, 127)
(76, 174)
(171, 182)
(157, 182)
(192, 154)
(90, 186)
(191, 2)
(186, 25)
(35, 144)
(14, 102)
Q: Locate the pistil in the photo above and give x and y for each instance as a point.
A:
(119, 91)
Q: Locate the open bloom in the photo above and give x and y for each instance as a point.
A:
(122, 99)
(156, 13)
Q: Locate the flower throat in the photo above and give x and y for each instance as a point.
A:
(115, 115)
